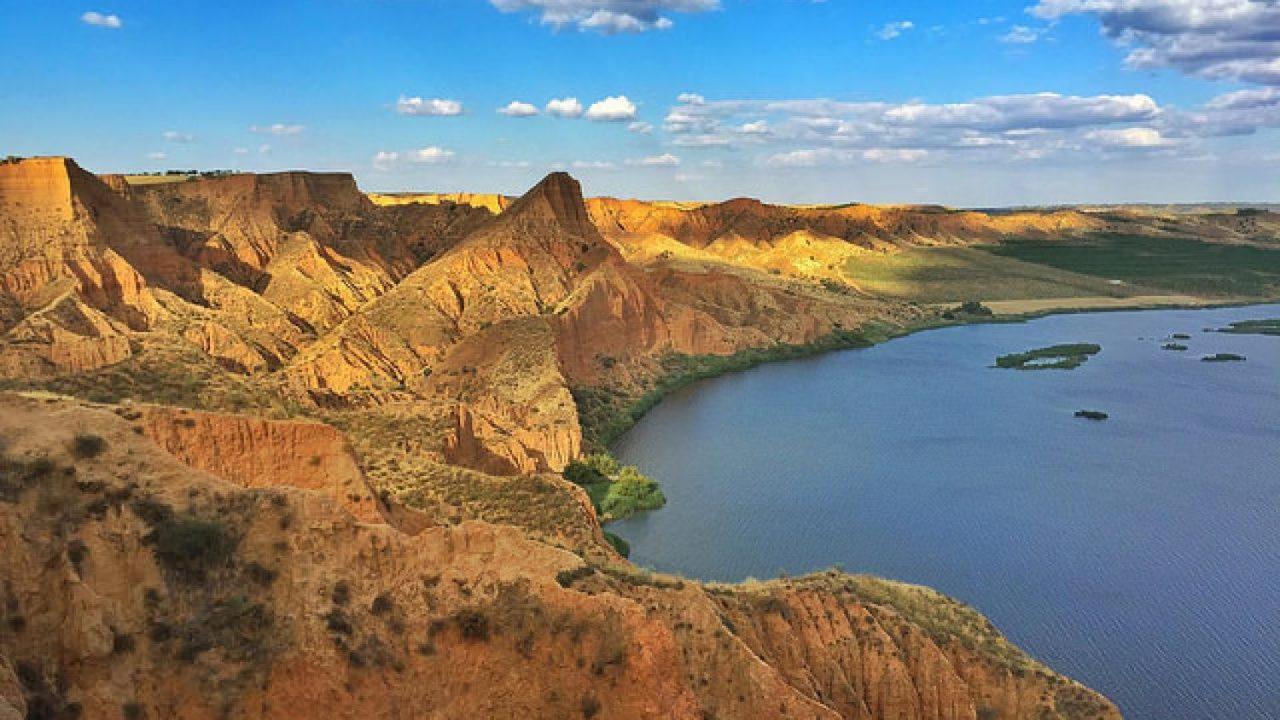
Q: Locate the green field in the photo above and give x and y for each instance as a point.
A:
(955, 274)
(1181, 265)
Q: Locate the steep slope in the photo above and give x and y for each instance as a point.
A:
(136, 585)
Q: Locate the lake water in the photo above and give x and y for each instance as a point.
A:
(1140, 555)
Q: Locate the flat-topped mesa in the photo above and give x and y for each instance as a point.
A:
(334, 192)
(37, 185)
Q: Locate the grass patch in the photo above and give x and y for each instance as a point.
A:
(1054, 357)
(1183, 265)
(954, 274)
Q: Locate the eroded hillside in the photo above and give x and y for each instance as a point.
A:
(351, 416)
(139, 585)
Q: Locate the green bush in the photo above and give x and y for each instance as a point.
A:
(620, 545)
(631, 493)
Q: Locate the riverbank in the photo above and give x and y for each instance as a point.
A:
(606, 416)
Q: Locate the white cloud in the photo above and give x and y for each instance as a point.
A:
(664, 160)
(103, 20)
(1216, 39)
(174, 136)
(428, 107)
(612, 109)
(691, 99)
(892, 155)
(892, 30)
(431, 155)
(517, 164)
(278, 129)
(518, 109)
(640, 127)
(157, 156)
(384, 159)
(1022, 35)
(565, 107)
(240, 151)
(759, 127)
(610, 17)
(593, 165)
(1134, 137)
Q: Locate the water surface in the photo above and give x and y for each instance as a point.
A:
(1140, 554)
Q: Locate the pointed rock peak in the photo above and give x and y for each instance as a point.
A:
(558, 198)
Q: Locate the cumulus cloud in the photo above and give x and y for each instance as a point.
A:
(278, 129)
(518, 109)
(385, 159)
(1216, 39)
(609, 17)
(174, 136)
(640, 127)
(428, 107)
(691, 99)
(102, 20)
(801, 132)
(664, 160)
(612, 109)
(565, 107)
(892, 30)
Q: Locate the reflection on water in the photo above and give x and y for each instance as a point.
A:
(1139, 554)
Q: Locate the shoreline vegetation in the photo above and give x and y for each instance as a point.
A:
(1054, 357)
(606, 413)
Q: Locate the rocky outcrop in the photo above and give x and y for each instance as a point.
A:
(136, 584)
(265, 453)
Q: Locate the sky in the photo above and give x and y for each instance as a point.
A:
(977, 103)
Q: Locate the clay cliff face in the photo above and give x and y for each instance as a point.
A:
(397, 536)
(135, 584)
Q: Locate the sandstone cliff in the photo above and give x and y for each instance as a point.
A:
(417, 549)
(137, 585)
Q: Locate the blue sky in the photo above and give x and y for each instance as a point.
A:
(975, 103)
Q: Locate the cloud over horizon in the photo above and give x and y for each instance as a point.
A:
(608, 17)
(1212, 39)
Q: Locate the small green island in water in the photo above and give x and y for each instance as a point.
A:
(1054, 357)
(1223, 357)
(1254, 327)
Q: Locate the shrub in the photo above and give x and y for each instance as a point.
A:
(190, 547)
(473, 624)
(381, 604)
(567, 578)
(86, 447)
(590, 706)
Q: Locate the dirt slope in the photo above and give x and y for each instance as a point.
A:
(135, 584)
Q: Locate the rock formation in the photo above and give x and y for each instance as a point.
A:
(328, 431)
